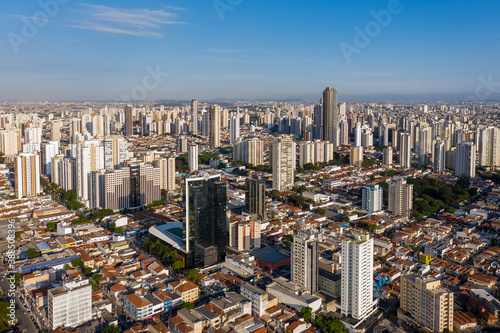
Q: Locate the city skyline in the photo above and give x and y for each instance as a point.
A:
(128, 51)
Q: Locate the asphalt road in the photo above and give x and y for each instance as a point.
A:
(26, 322)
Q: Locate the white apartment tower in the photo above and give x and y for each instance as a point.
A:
(400, 197)
(283, 162)
(51, 149)
(357, 276)
(489, 147)
(27, 175)
(405, 150)
(193, 157)
(428, 302)
(439, 157)
(249, 151)
(234, 128)
(70, 305)
(387, 156)
(167, 172)
(372, 198)
(194, 117)
(465, 160)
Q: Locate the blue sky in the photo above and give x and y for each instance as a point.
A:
(103, 50)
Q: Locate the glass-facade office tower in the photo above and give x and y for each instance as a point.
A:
(205, 229)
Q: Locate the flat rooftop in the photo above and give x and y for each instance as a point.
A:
(269, 254)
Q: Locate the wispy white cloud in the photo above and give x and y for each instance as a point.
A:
(31, 18)
(371, 74)
(132, 22)
(142, 33)
(173, 7)
(222, 51)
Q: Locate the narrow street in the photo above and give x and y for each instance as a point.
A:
(25, 320)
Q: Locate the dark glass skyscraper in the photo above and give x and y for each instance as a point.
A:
(255, 196)
(205, 228)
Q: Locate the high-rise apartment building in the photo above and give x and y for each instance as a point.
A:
(489, 147)
(144, 184)
(64, 172)
(372, 198)
(193, 157)
(357, 276)
(283, 161)
(429, 304)
(439, 157)
(27, 175)
(304, 260)
(234, 129)
(255, 196)
(89, 157)
(215, 123)
(465, 160)
(383, 136)
(387, 156)
(400, 197)
(405, 150)
(115, 152)
(331, 116)
(69, 305)
(50, 150)
(422, 145)
(117, 189)
(182, 144)
(194, 117)
(55, 130)
(245, 236)
(97, 189)
(129, 121)
(356, 156)
(167, 172)
(205, 227)
(249, 151)
(33, 135)
(10, 142)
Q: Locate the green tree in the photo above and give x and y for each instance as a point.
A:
(17, 278)
(275, 194)
(88, 270)
(287, 242)
(187, 305)
(178, 265)
(346, 218)
(32, 253)
(77, 263)
(67, 267)
(119, 230)
(367, 162)
(450, 210)
(463, 182)
(111, 329)
(97, 277)
(193, 275)
(306, 313)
